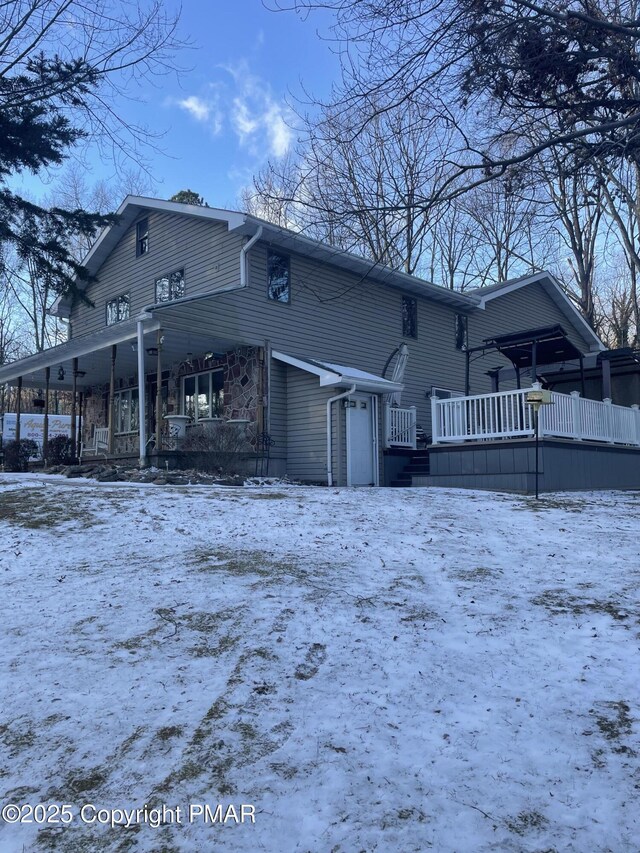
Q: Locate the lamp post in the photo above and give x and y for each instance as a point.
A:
(538, 397)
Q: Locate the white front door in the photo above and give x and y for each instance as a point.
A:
(361, 441)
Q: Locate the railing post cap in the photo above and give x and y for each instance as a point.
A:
(536, 386)
(635, 406)
(575, 393)
(607, 400)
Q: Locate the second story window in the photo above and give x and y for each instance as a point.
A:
(409, 317)
(170, 287)
(462, 331)
(118, 309)
(142, 237)
(278, 277)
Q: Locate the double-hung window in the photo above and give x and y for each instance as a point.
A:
(170, 287)
(118, 309)
(409, 317)
(203, 395)
(278, 285)
(126, 411)
(462, 331)
(142, 237)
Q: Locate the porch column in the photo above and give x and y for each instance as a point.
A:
(18, 407)
(45, 430)
(534, 362)
(582, 391)
(159, 392)
(112, 398)
(466, 374)
(260, 419)
(142, 415)
(73, 409)
(606, 378)
(80, 419)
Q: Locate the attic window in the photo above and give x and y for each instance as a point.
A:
(278, 277)
(142, 237)
(118, 309)
(409, 317)
(170, 287)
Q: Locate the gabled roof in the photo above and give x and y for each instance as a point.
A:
(553, 290)
(243, 223)
(340, 376)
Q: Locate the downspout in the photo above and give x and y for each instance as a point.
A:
(243, 256)
(329, 443)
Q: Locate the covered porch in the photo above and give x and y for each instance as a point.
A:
(147, 366)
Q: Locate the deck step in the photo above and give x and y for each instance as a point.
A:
(418, 465)
(417, 468)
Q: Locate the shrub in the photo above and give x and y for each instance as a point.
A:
(18, 453)
(59, 450)
(216, 448)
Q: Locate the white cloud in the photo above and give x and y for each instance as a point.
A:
(205, 110)
(243, 124)
(196, 107)
(260, 121)
(279, 132)
(245, 105)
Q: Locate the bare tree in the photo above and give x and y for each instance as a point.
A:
(64, 66)
(509, 81)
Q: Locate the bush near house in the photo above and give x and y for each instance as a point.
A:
(217, 448)
(59, 450)
(18, 453)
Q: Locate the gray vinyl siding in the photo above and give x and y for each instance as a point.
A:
(205, 249)
(337, 317)
(526, 308)
(278, 408)
(306, 427)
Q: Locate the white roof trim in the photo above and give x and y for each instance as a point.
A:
(557, 291)
(336, 374)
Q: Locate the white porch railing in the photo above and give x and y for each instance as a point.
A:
(399, 427)
(506, 414)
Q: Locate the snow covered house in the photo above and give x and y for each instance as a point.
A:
(334, 366)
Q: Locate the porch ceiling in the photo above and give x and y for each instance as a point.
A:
(94, 356)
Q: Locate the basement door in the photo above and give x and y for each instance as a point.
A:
(362, 441)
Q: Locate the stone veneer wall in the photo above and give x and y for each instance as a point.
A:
(242, 391)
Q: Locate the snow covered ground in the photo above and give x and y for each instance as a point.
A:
(371, 670)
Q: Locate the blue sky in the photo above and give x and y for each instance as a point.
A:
(229, 112)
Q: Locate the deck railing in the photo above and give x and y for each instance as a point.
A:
(507, 414)
(400, 427)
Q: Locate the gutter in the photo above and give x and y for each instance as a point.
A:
(330, 401)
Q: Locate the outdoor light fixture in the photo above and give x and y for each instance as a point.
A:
(538, 396)
(134, 347)
(60, 373)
